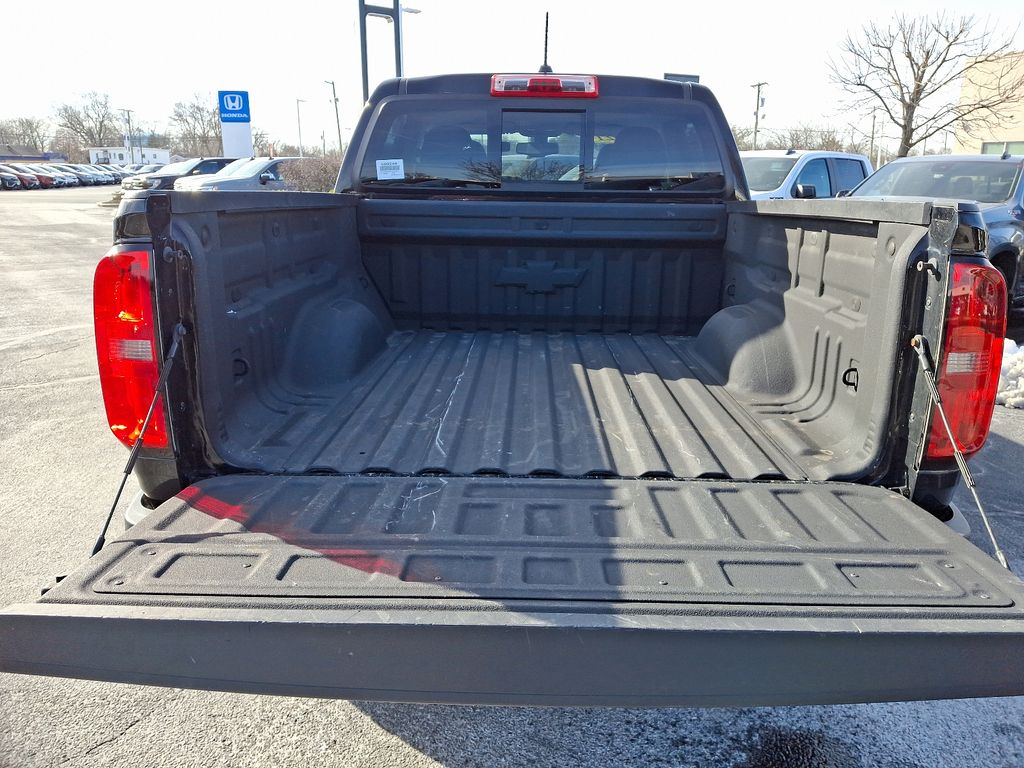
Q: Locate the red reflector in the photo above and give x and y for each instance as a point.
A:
(971, 357)
(126, 346)
(559, 86)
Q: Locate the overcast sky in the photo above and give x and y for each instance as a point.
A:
(282, 52)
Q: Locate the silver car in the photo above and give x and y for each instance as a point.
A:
(252, 174)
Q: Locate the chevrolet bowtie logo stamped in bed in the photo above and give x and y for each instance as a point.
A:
(541, 276)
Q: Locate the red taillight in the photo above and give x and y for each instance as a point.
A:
(971, 357)
(126, 346)
(562, 86)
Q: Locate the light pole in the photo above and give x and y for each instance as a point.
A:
(391, 15)
(298, 116)
(757, 109)
(131, 149)
(401, 38)
(337, 120)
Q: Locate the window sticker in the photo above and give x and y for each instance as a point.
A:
(390, 169)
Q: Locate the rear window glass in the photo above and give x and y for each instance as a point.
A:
(985, 181)
(765, 174)
(654, 146)
(849, 173)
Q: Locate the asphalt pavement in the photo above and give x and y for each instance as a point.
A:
(59, 469)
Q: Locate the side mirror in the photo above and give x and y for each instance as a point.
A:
(805, 191)
(265, 177)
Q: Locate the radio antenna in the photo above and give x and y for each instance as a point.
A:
(544, 68)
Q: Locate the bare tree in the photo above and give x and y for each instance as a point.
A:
(34, 131)
(802, 137)
(69, 145)
(29, 132)
(911, 68)
(805, 137)
(261, 142)
(197, 127)
(93, 122)
(744, 137)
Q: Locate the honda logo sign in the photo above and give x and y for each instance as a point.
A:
(234, 106)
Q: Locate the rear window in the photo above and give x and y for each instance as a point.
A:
(849, 173)
(643, 145)
(765, 174)
(985, 181)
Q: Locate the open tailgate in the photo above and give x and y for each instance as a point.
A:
(534, 591)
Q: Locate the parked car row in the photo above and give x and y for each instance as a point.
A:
(994, 182)
(165, 176)
(19, 175)
(215, 174)
(251, 174)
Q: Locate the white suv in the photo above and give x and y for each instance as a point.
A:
(775, 174)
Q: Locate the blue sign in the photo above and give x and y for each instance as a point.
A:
(234, 106)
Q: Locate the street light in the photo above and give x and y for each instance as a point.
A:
(391, 15)
(337, 120)
(298, 115)
(401, 39)
(398, 34)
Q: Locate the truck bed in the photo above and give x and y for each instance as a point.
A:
(357, 341)
(518, 404)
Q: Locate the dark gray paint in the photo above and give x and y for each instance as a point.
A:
(369, 333)
(393, 630)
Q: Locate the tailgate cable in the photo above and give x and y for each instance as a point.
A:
(920, 345)
(179, 332)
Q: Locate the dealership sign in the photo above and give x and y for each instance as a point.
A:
(235, 123)
(234, 106)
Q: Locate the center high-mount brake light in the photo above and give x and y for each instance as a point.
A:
(972, 354)
(556, 86)
(126, 346)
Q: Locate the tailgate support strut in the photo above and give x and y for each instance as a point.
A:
(920, 345)
(179, 333)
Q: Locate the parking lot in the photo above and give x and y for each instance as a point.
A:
(60, 470)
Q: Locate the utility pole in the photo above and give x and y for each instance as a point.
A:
(298, 115)
(131, 150)
(757, 109)
(337, 120)
(871, 151)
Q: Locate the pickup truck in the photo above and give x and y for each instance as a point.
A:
(538, 408)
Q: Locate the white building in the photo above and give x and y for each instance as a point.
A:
(122, 155)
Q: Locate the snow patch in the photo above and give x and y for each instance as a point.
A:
(1011, 376)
